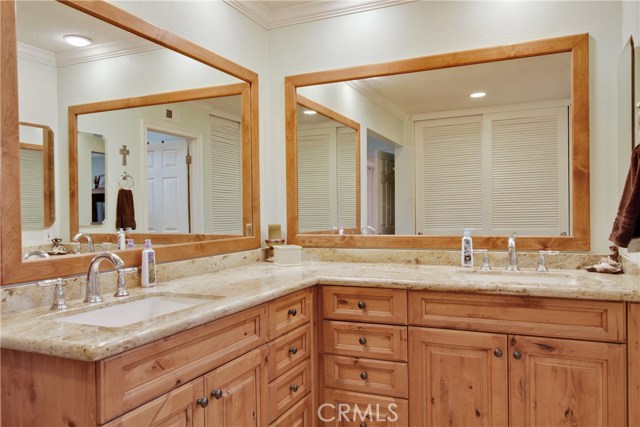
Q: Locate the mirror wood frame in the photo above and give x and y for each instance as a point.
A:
(14, 268)
(577, 45)
(329, 113)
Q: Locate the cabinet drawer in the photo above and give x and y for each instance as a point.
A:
(552, 317)
(289, 388)
(347, 408)
(366, 375)
(300, 415)
(288, 313)
(289, 350)
(365, 304)
(131, 378)
(366, 340)
(176, 408)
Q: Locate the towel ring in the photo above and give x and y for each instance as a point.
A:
(124, 178)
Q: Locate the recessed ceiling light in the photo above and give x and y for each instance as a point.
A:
(78, 41)
(477, 95)
(309, 112)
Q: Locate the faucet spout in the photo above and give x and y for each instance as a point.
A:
(512, 254)
(90, 244)
(92, 294)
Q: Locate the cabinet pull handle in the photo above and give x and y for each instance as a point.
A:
(362, 340)
(361, 305)
(217, 393)
(293, 387)
(293, 349)
(517, 355)
(364, 375)
(497, 352)
(203, 402)
(292, 312)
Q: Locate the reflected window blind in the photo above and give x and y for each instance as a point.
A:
(31, 189)
(530, 172)
(226, 177)
(451, 175)
(314, 183)
(346, 177)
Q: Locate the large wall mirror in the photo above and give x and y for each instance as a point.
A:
(493, 139)
(140, 110)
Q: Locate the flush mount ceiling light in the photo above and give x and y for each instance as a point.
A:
(76, 40)
(478, 95)
(309, 112)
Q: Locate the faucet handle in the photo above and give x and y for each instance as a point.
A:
(485, 258)
(122, 284)
(59, 299)
(542, 267)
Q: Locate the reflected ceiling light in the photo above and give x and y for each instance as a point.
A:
(477, 95)
(78, 41)
(309, 112)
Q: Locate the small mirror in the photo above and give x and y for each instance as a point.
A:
(91, 178)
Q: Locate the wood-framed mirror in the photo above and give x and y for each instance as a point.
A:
(241, 84)
(422, 173)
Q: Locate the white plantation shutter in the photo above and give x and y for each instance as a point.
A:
(529, 157)
(497, 173)
(314, 179)
(346, 193)
(226, 177)
(449, 174)
(31, 188)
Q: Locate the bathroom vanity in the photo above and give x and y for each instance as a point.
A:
(270, 345)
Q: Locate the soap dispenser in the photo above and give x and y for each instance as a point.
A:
(466, 253)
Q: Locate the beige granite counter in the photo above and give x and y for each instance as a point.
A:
(235, 289)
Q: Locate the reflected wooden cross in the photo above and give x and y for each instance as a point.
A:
(125, 152)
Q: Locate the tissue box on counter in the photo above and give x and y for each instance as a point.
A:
(287, 255)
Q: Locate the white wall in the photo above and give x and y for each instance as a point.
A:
(425, 28)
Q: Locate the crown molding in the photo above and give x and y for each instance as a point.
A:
(105, 51)
(300, 13)
(380, 100)
(36, 54)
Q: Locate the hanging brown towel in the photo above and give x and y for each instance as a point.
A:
(627, 223)
(125, 213)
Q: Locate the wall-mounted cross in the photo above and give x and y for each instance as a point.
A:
(125, 152)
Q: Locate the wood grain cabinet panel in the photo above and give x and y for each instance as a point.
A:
(552, 317)
(288, 350)
(564, 382)
(237, 392)
(300, 415)
(129, 379)
(387, 342)
(366, 375)
(290, 312)
(178, 408)
(374, 305)
(457, 378)
(289, 388)
(351, 409)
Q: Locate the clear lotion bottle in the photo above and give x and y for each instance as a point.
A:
(466, 253)
(148, 276)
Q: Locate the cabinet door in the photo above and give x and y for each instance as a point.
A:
(564, 382)
(457, 378)
(181, 407)
(237, 392)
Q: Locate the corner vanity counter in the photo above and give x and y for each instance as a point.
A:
(268, 345)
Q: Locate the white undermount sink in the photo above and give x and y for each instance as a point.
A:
(142, 310)
(549, 277)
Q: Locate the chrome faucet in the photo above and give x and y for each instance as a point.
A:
(78, 236)
(369, 229)
(512, 254)
(92, 294)
(36, 254)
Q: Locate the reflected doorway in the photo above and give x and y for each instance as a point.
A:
(381, 183)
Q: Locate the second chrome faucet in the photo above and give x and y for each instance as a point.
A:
(512, 255)
(92, 294)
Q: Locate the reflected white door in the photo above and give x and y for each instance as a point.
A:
(167, 187)
(385, 168)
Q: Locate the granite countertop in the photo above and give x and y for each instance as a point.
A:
(235, 289)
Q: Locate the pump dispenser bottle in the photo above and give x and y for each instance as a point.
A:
(466, 253)
(148, 274)
(121, 239)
